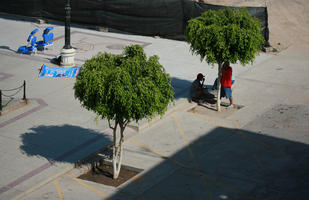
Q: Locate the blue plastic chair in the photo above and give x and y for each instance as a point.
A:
(48, 38)
(31, 35)
(31, 46)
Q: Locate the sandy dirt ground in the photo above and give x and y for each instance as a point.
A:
(288, 19)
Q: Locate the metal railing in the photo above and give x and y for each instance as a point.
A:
(11, 96)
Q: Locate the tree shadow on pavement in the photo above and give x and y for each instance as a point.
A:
(181, 88)
(227, 164)
(64, 143)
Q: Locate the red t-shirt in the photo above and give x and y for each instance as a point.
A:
(226, 79)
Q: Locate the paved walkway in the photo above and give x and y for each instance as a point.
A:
(258, 152)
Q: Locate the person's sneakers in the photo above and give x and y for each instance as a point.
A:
(231, 106)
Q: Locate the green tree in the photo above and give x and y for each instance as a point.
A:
(225, 35)
(123, 88)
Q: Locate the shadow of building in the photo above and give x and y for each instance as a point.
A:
(227, 164)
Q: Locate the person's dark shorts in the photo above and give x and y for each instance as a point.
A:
(227, 91)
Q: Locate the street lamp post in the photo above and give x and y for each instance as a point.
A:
(67, 25)
(67, 52)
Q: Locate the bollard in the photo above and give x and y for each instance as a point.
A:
(0, 101)
(24, 97)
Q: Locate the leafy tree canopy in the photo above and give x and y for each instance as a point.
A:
(124, 87)
(225, 35)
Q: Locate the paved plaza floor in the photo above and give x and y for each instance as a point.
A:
(257, 152)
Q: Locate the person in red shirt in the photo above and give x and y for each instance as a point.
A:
(226, 82)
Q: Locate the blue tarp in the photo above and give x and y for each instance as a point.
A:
(59, 72)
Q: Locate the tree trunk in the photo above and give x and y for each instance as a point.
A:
(219, 86)
(117, 151)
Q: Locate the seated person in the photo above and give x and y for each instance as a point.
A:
(197, 87)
